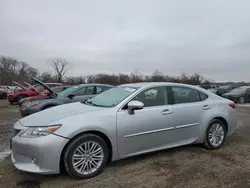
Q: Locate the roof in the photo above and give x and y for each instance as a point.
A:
(148, 84)
(96, 84)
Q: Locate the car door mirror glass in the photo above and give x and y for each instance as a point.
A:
(135, 105)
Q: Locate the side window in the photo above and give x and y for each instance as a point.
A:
(85, 91)
(203, 96)
(100, 89)
(248, 91)
(156, 96)
(185, 95)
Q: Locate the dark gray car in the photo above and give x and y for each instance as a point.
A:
(72, 94)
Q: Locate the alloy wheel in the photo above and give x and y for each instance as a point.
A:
(88, 157)
(242, 100)
(216, 134)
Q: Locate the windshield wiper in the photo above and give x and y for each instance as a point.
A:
(90, 102)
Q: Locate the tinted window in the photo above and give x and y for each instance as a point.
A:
(153, 97)
(100, 89)
(85, 91)
(203, 96)
(185, 95)
(238, 90)
(68, 91)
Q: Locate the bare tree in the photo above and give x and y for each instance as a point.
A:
(136, 76)
(60, 66)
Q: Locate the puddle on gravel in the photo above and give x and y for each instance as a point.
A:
(28, 184)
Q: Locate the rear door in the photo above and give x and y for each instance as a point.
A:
(190, 106)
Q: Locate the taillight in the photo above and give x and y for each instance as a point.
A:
(233, 105)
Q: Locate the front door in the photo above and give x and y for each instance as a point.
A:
(189, 108)
(149, 128)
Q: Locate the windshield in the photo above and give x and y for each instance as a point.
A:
(112, 97)
(238, 90)
(68, 91)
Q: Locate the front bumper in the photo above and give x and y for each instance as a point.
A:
(38, 155)
(12, 99)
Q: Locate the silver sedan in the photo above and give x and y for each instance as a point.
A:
(124, 121)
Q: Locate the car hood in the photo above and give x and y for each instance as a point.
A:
(44, 85)
(48, 116)
(20, 85)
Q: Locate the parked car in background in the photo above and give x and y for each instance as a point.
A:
(205, 86)
(29, 92)
(3, 94)
(122, 122)
(5, 87)
(218, 91)
(228, 88)
(46, 94)
(239, 95)
(72, 94)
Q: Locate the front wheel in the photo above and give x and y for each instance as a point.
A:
(21, 97)
(215, 135)
(86, 156)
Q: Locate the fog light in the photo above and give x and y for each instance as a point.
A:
(33, 160)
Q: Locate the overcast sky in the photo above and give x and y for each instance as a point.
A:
(209, 37)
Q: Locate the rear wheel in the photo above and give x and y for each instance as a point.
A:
(241, 100)
(86, 156)
(215, 135)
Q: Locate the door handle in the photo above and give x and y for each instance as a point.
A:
(166, 112)
(206, 107)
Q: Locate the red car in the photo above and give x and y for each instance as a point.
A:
(30, 92)
(46, 94)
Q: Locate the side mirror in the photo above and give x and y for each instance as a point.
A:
(135, 105)
(71, 96)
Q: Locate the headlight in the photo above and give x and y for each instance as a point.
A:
(39, 131)
(31, 104)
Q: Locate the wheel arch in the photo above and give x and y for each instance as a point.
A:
(95, 132)
(48, 105)
(223, 120)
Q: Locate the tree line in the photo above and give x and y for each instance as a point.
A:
(12, 69)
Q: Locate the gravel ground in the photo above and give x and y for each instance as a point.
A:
(190, 166)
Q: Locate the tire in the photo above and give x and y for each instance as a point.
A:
(73, 148)
(21, 97)
(241, 100)
(208, 143)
